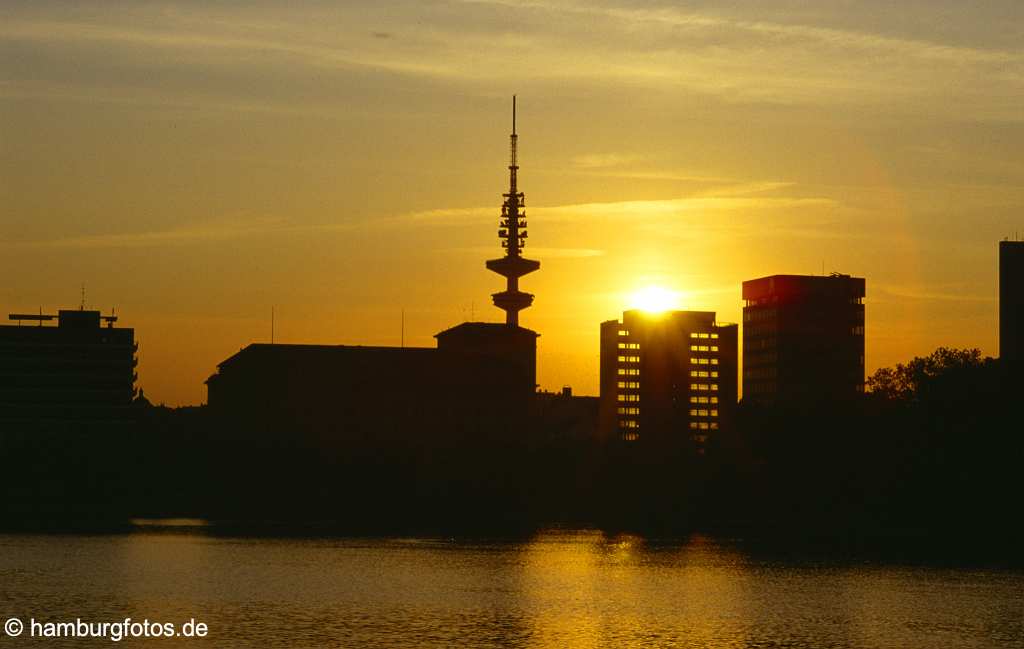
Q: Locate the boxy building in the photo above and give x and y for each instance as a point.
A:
(803, 338)
(81, 370)
(667, 377)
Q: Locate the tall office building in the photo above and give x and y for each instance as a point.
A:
(76, 371)
(1011, 300)
(667, 377)
(803, 338)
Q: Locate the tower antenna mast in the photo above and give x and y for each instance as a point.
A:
(512, 233)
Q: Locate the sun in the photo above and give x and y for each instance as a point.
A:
(654, 299)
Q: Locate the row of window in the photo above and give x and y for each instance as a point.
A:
(629, 371)
(703, 374)
(703, 387)
(628, 423)
(703, 348)
(629, 359)
(623, 332)
(629, 397)
(703, 412)
(696, 334)
(629, 345)
(629, 411)
(704, 361)
(704, 425)
(696, 399)
(629, 385)
(630, 437)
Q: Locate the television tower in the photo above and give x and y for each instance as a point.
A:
(512, 232)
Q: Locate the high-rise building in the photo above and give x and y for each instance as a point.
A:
(1011, 300)
(76, 371)
(803, 338)
(667, 377)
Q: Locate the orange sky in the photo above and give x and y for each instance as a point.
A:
(196, 166)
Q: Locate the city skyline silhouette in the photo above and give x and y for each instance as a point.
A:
(339, 166)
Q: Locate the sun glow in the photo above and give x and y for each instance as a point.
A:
(654, 299)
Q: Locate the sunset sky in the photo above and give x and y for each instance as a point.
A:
(196, 164)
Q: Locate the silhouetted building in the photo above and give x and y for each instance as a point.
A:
(513, 348)
(1011, 300)
(76, 371)
(667, 377)
(803, 338)
(480, 378)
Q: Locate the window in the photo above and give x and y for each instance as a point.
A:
(693, 425)
(629, 359)
(629, 397)
(700, 373)
(629, 411)
(714, 374)
(629, 345)
(714, 361)
(714, 348)
(714, 425)
(714, 413)
(714, 386)
(714, 335)
(714, 399)
(623, 332)
(629, 385)
(629, 371)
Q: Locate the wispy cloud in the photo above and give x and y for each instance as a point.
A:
(213, 231)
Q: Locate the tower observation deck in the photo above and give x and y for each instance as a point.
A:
(512, 233)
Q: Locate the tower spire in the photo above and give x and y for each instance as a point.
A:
(512, 233)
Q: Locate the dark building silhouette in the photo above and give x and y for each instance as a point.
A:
(667, 377)
(76, 371)
(803, 338)
(354, 393)
(1011, 300)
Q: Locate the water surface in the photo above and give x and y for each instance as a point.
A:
(559, 589)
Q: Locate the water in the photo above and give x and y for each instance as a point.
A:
(556, 590)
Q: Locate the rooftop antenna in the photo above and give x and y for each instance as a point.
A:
(271, 325)
(403, 328)
(81, 307)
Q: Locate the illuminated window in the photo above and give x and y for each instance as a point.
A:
(714, 348)
(714, 375)
(714, 335)
(629, 345)
(629, 371)
(714, 399)
(623, 332)
(714, 413)
(693, 424)
(714, 425)
(629, 411)
(714, 361)
(714, 386)
(703, 425)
